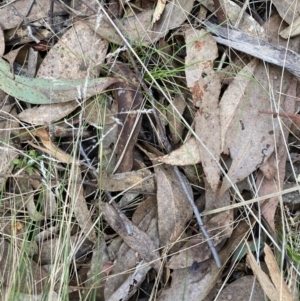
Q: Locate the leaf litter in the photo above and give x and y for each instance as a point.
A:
(93, 204)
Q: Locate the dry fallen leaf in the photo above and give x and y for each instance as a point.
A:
(186, 154)
(74, 58)
(129, 99)
(205, 86)
(140, 180)
(174, 210)
(196, 249)
(242, 290)
(139, 241)
(138, 29)
(195, 282)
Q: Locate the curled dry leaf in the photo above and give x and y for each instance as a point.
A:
(139, 241)
(129, 99)
(187, 154)
(140, 180)
(51, 148)
(205, 86)
(174, 210)
(138, 29)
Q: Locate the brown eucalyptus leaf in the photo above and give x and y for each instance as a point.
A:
(138, 28)
(129, 99)
(47, 114)
(288, 10)
(8, 151)
(139, 241)
(174, 209)
(267, 180)
(250, 136)
(140, 180)
(262, 277)
(21, 270)
(186, 154)
(232, 11)
(79, 206)
(147, 222)
(196, 249)
(39, 10)
(72, 57)
(242, 290)
(174, 119)
(276, 275)
(200, 278)
(205, 86)
(239, 88)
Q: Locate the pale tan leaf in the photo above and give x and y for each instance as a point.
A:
(195, 282)
(138, 29)
(47, 114)
(234, 94)
(262, 277)
(174, 119)
(267, 180)
(242, 290)
(196, 249)
(146, 221)
(140, 180)
(9, 19)
(51, 148)
(292, 30)
(232, 10)
(174, 210)
(79, 206)
(205, 86)
(289, 10)
(139, 241)
(187, 154)
(276, 276)
(159, 8)
(250, 136)
(74, 58)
